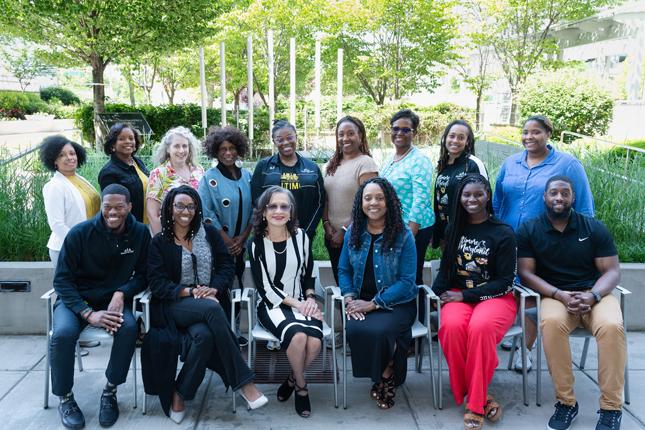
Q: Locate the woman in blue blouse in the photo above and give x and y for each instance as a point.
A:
(377, 279)
(521, 180)
(410, 173)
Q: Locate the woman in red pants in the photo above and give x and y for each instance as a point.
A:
(474, 284)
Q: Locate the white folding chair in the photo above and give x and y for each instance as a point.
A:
(579, 332)
(419, 331)
(89, 333)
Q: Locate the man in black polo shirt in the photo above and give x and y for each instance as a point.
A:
(571, 260)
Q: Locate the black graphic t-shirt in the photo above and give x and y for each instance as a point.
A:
(289, 179)
(486, 262)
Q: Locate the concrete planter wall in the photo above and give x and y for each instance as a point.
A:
(24, 313)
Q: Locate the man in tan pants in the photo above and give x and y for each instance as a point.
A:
(571, 260)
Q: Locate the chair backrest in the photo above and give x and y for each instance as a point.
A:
(434, 269)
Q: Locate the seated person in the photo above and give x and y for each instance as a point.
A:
(282, 264)
(189, 271)
(377, 271)
(570, 259)
(102, 266)
(474, 284)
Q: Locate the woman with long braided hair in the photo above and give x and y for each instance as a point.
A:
(189, 271)
(474, 284)
(377, 272)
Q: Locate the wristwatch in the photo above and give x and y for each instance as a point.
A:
(596, 296)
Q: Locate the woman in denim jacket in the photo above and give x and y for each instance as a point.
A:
(377, 272)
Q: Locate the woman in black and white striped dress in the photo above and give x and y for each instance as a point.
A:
(281, 263)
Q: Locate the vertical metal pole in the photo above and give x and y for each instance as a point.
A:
(202, 85)
(222, 79)
(339, 85)
(271, 78)
(292, 81)
(249, 90)
(306, 137)
(317, 94)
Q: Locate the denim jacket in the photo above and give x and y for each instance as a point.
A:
(394, 271)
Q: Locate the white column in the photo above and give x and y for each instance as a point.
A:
(202, 85)
(339, 86)
(317, 94)
(249, 89)
(271, 78)
(292, 81)
(222, 79)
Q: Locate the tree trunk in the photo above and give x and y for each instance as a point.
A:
(478, 109)
(98, 89)
(133, 101)
(513, 117)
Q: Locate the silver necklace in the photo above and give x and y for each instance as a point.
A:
(280, 252)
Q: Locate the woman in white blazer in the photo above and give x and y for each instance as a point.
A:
(69, 198)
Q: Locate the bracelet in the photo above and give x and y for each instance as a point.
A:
(557, 290)
(190, 291)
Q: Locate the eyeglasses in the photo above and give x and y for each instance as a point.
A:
(290, 139)
(404, 130)
(182, 207)
(274, 207)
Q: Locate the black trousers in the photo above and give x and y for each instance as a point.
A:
(334, 258)
(208, 342)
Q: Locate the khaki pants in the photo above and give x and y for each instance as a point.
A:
(605, 322)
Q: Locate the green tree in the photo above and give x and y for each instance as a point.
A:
(519, 32)
(23, 63)
(96, 32)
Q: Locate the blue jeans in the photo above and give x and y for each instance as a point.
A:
(62, 347)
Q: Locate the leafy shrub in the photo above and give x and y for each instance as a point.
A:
(504, 134)
(13, 113)
(64, 95)
(573, 102)
(29, 103)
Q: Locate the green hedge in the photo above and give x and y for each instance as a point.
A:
(64, 95)
(21, 104)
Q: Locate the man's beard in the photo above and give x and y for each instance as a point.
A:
(558, 215)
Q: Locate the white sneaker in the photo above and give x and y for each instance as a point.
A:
(506, 345)
(273, 345)
(517, 361)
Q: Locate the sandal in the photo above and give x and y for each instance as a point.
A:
(303, 405)
(492, 409)
(375, 391)
(286, 388)
(388, 391)
(473, 421)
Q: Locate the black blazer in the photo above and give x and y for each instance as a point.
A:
(116, 171)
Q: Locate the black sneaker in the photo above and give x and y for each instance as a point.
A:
(109, 409)
(70, 414)
(563, 416)
(609, 420)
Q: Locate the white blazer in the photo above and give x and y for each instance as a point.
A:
(64, 207)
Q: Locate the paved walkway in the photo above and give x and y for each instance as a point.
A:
(21, 398)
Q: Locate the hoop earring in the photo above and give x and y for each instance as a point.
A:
(238, 163)
(215, 162)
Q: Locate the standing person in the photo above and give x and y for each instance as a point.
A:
(410, 173)
(456, 160)
(350, 166)
(282, 264)
(69, 197)
(377, 279)
(292, 172)
(123, 168)
(102, 266)
(474, 284)
(520, 186)
(190, 270)
(177, 163)
(571, 260)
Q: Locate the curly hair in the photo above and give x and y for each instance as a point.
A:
(443, 152)
(218, 135)
(459, 218)
(51, 147)
(113, 135)
(167, 222)
(335, 160)
(161, 152)
(259, 221)
(407, 113)
(393, 220)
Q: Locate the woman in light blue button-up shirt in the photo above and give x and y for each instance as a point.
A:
(410, 173)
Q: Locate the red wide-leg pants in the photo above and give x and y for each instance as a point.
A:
(469, 334)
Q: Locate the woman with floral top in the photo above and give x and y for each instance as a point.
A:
(176, 157)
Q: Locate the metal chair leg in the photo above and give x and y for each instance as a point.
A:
(134, 364)
(538, 376)
(585, 350)
(47, 370)
(78, 357)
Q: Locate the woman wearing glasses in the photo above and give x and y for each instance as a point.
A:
(281, 264)
(410, 173)
(293, 172)
(189, 269)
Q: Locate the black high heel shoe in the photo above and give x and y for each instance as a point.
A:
(303, 405)
(286, 388)
(388, 391)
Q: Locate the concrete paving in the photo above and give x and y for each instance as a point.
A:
(22, 386)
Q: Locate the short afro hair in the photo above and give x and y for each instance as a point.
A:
(407, 113)
(115, 130)
(218, 135)
(51, 147)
